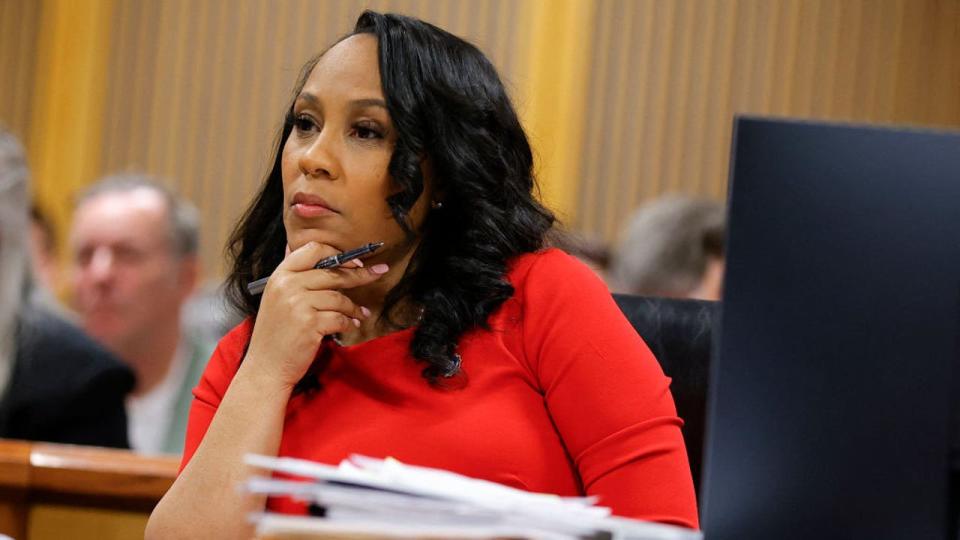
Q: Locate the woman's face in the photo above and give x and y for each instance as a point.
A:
(334, 163)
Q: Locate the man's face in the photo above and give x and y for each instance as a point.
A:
(126, 279)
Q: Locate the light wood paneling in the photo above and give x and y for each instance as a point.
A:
(67, 105)
(194, 91)
(553, 94)
(19, 24)
(668, 76)
(197, 89)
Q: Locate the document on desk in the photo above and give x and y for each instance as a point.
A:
(388, 499)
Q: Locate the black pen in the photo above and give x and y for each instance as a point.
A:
(333, 261)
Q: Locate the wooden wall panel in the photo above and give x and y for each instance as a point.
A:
(669, 75)
(197, 89)
(19, 24)
(68, 99)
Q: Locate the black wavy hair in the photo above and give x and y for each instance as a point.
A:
(450, 108)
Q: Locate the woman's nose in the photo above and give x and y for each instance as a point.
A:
(319, 157)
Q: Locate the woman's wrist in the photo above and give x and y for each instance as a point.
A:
(263, 380)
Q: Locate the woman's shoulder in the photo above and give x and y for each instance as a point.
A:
(552, 271)
(547, 261)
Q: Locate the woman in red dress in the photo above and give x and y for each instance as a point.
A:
(460, 344)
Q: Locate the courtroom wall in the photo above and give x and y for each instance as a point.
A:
(635, 98)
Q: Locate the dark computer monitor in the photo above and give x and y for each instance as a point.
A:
(832, 387)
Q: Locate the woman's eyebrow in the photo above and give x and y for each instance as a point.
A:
(314, 101)
(370, 102)
(307, 96)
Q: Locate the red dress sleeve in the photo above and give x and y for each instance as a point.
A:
(606, 394)
(221, 368)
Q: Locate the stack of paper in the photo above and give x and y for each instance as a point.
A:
(366, 497)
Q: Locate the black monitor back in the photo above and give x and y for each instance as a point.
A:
(830, 394)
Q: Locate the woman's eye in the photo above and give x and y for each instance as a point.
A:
(366, 131)
(304, 123)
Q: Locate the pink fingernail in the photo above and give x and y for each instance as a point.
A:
(356, 322)
(358, 262)
(365, 311)
(379, 268)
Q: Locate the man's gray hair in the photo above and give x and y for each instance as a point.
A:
(183, 218)
(666, 244)
(14, 254)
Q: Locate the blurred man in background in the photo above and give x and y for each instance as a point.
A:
(134, 265)
(56, 384)
(672, 247)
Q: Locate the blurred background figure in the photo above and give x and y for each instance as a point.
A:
(674, 247)
(133, 267)
(56, 384)
(208, 314)
(43, 250)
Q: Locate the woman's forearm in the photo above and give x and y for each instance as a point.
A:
(299, 306)
(204, 501)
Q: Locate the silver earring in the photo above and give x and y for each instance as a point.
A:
(436, 205)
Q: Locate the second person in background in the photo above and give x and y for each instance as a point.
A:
(133, 267)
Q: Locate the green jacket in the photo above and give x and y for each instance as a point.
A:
(200, 351)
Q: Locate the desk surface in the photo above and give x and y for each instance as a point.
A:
(33, 473)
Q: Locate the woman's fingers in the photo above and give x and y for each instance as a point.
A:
(297, 270)
(309, 254)
(322, 280)
(337, 301)
(306, 257)
(355, 263)
(333, 322)
(342, 277)
(301, 305)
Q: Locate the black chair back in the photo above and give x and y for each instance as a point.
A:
(680, 334)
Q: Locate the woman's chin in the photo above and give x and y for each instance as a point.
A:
(301, 238)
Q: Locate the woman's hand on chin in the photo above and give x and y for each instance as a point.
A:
(301, 305)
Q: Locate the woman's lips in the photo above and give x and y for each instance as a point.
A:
(310, 206)
(305, 210)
